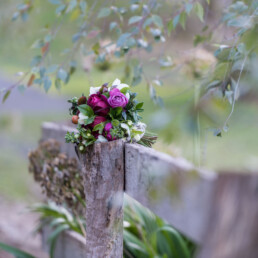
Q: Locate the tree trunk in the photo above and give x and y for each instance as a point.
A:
(103, 173)
(232, 231)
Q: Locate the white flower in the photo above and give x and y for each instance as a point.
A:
(82, 118)
(137, 137)
(139, 127)
(101, 138)
(94, 90)
(117, 83)
(126, 127)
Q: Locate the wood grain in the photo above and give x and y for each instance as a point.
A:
(103, 173)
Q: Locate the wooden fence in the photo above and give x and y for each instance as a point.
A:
(217, 211)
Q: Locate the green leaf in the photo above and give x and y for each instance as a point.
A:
(21, 88)
(71, 6)
(47, 84)
(240, 22)
(122, 39)
(14, 251)
(115, 122)
(96, 48)
(124, 90)
(170, 243)
(134, 19)
(157, 20)
(139, 105)
(53, 237)
(60, 9)
(147, 22)
(6, 95)
(198, 9)
(134, 245)
(35, 60)
(51, 69)
(182, 19)
(57, 2)
(15, 16)
(176, 20)
(188, 7)
(89, 120)
(170, 26)
(58, 84)
(39, 43)
(99, 127)
(104, 12)
(83, 6)
(112, 25)
(62, 75)
(86, 110)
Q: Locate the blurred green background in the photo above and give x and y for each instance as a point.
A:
(23, 113)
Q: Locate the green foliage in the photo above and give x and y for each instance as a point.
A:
(70, 137)
(146, 27)
(145, 234)
(59, 219)
(17, 253)
(233, 59)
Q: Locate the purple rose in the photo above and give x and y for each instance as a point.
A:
(107, 129)
(99, 104)
(117, 99)
(97, 120)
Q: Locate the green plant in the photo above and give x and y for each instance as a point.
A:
(106, 30)
(17, 253)
(145, 234)
(59, 219)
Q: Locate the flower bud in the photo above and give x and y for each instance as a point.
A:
(82, 100)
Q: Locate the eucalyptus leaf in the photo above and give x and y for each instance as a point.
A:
(134, 19)
(104, 12)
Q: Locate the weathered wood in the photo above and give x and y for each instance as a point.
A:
(68, 245)
(232, 230)
(170, 187)
(103, 172)
(57, 132)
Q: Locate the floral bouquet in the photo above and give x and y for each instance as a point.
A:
(108, 114)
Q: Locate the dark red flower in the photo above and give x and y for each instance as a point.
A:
(99, 104)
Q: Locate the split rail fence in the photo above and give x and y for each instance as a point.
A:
(219, 211)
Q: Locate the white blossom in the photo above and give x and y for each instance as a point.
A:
(117, 83)
(139, 127)
(82, 118)
(94, 90)
(126, 127)
(101, 138)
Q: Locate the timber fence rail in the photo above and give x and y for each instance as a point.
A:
(217, 211)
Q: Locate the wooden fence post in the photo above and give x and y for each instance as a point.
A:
(232, 229)
(103, 173)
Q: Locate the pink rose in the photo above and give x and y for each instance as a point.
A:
(117, 99)
(107, 129)
(99, 104)
(97, 120)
